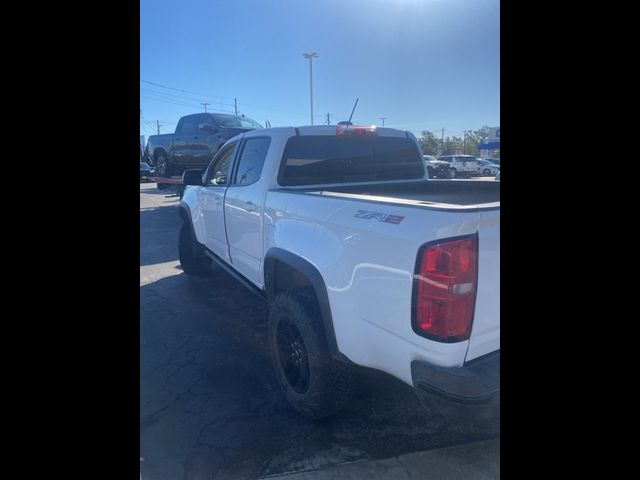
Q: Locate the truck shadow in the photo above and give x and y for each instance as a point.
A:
(205, 367)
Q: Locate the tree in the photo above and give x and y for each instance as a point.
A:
(429, 143)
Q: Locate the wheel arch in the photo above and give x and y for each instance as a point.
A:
(285, 271)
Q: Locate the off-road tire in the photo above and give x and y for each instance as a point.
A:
(331, 383)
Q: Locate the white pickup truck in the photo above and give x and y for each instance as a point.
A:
(363, 259)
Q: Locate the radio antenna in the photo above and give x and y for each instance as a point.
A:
(354, 109)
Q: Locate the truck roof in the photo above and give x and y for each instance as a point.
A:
(330, 130)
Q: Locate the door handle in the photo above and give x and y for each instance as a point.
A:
(250, 206)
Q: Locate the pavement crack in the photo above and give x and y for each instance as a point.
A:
(172, 402)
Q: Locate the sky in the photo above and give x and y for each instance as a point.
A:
(422, 64)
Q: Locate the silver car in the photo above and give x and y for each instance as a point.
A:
(487, 168)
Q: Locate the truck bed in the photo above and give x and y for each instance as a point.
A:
(434, 193)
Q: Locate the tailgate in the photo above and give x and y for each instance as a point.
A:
(485, 333)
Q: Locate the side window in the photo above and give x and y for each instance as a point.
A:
(251, 160)
(187, 125)
(205, 119)
(219, 174)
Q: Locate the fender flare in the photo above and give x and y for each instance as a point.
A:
(314, 277)
(185, 214)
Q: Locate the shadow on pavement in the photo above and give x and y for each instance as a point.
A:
(210, 404)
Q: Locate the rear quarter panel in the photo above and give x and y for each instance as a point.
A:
(368, 267)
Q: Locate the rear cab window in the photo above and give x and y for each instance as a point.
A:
(325, 159)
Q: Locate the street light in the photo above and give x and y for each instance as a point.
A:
(383, 119)
(311, 56)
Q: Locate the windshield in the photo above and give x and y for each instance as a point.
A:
(231, 121)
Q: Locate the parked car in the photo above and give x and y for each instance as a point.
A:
(363, 261)
(495, 161)
(487, 169)
(498, 175)
(196, 140)
(461, 165)
(436, 168)
(146, 172)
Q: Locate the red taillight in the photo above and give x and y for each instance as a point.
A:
(445, 289)
(355, 130)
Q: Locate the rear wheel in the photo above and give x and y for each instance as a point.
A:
(192, 259)
(486, 172)
(314, 383)
(163, 169)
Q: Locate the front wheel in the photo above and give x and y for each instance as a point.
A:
(314, 383)
(486, 172)
(192, 259)
(454, 173)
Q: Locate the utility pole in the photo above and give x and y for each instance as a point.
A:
(328, 121)
(464, 143)
(235, 104)
(311, 56)
(205, 106)
(158, 124)
(442, 142)
(383, 119)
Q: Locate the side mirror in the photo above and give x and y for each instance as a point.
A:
(192, 177)
(206, 127)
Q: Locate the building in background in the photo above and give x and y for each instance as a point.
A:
(491, 146)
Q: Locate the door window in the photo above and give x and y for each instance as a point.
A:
(221, 167)
(251, 160)
(187, 126)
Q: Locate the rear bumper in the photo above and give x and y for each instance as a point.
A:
(477, 382)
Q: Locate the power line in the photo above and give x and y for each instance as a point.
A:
(170, 96)
(176, 98)
(164, 100)
(184, 91)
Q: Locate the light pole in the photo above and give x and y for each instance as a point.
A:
(383, 119)
(311, 56)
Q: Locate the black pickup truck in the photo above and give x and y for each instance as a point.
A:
(196, 140)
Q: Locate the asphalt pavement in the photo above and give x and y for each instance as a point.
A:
(210, 407)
